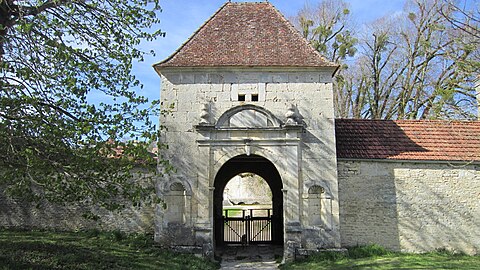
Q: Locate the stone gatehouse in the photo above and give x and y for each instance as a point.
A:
(248, 95)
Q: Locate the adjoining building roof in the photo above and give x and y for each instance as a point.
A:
(408, 140)
(251, 34)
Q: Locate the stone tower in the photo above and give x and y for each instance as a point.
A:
(246, 93)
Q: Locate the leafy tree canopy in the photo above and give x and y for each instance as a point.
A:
(55, 55)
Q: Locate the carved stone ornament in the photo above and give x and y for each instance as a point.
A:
(292, 116)
(205, 115)
(248, 149)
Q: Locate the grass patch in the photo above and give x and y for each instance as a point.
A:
(89, 250)
(376, 257)
(233, 212)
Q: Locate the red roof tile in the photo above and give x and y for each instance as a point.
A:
(246, 35)
(408, 139)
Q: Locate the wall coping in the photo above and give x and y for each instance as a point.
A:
(458, 162)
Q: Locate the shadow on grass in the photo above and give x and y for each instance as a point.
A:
(47, 250)
(376, 257)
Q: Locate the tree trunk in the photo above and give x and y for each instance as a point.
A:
(6, 11)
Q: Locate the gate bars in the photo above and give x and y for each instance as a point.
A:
(254, 226)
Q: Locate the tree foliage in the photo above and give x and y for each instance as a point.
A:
(329, 29)
(58, 58)
(420, 63)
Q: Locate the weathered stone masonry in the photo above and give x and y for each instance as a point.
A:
(247, 88)
(410, 206)
(407, 206)
(303, 159)
(24, 215)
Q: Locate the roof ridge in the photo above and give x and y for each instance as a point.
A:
(412, 120)
(253, 2)
(292, 28)
(192, 35)
(230, 47)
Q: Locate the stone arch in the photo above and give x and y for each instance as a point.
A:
(256, 151)
(310, 185)
(316, 190)
(176, 186)
(319, 206)
(178, 180)
(254, 164)
(177, 198)
(249, 116)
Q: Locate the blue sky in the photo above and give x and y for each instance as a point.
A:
(180, 18)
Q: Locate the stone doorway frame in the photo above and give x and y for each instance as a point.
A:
(280, 143)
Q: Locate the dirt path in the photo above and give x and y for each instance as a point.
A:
(252, 257)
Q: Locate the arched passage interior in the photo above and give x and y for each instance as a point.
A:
(265, 169)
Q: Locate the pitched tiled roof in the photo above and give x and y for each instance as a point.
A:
(408, 139)
(246, 35)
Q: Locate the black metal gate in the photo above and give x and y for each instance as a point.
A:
(247, 226)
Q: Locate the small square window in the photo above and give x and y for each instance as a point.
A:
(241, 97)
(254, 97)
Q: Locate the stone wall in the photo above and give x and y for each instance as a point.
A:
(24, 215)
(27, 215)
(405, 206)
(409, 206)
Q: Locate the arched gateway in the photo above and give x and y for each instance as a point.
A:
(267, 226)
(247, 94)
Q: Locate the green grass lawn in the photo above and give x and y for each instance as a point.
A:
(374, 257)
(89, 250)
(95, 250)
